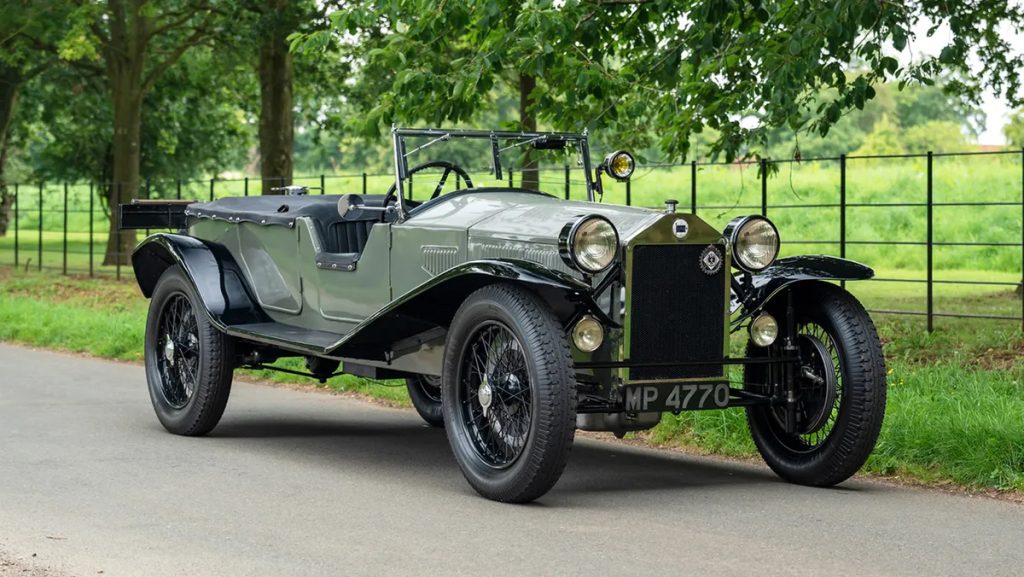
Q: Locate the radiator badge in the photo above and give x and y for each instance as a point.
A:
(711, 260)
(680, 228)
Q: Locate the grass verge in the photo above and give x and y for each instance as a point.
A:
(956, 398)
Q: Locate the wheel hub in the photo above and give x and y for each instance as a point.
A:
(819, 379)
(169, 350)
(486, 394)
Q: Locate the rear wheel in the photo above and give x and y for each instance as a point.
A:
(841, 390)
(509, 398)
(425, 394)
(189, 363)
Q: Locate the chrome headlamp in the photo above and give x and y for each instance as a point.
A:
(619, 165)
(589, 243)
(754, 240)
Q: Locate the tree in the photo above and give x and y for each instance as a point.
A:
(10, 84)
(25, 28)
(133, 43)
(194, 124)
(935, 135)
(919, 105)
(1014, 129)
(886, 138)
(274, 22)
(674, 68)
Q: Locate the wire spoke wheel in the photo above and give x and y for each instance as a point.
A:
(425, 394)
(839, 389)
(431, 387)
(509, 393)
(494, 394)
(189, 363)
(177, 353)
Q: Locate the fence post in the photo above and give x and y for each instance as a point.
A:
(931, 302)
(245, 188)
(16, 225)
(510, 185)
(322, 186)
(410, 187)
(693, 186)
(567, 184)
(629, 192)
(764, 187)
(842, 210)
(211, 190)
(64, 265)
(364, 183)
(91, 219)
(117, 233)
(39, 249)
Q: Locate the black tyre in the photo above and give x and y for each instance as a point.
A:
(189, 363)
(841, 388)
(425, 393)
(509, 394)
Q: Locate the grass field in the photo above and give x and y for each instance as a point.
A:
(956, 397)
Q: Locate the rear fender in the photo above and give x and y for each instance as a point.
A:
(212, 271)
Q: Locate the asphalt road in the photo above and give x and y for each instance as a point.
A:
(306, 483)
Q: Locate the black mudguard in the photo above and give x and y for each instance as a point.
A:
(789, 271)
(435, 302)
(212, 271)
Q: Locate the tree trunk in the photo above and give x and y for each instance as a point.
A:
(125, 59)
(528, 123)
(276, 128)
(10, 83)
(125, 184)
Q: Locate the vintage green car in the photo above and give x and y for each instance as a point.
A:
(516, 317)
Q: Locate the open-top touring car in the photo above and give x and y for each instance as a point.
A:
(515, 317)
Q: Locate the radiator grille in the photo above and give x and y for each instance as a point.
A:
(677, 312)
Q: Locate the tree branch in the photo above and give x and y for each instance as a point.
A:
(182, 16)
(197, 37)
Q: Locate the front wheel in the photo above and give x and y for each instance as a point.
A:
(509, 394)
(189, 363)
(840, 390)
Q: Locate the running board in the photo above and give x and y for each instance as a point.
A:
(286, 337)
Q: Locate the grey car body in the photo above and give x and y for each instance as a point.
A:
(375, 282)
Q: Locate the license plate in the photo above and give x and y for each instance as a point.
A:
(678, 397)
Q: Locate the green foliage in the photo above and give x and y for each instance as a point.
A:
(935, 135)
(195, 124)
(886, 138)
(918, 105)
(626, 67)
(927, 118)
(1014, 130)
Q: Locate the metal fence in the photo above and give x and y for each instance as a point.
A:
(64, 227)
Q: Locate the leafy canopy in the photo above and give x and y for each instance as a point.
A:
(674, 67)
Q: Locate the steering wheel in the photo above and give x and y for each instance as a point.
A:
(448, 169)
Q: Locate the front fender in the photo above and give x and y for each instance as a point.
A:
(213, 272)
(789, 271)
(435, 302)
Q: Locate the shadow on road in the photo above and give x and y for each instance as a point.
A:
(421, 454)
